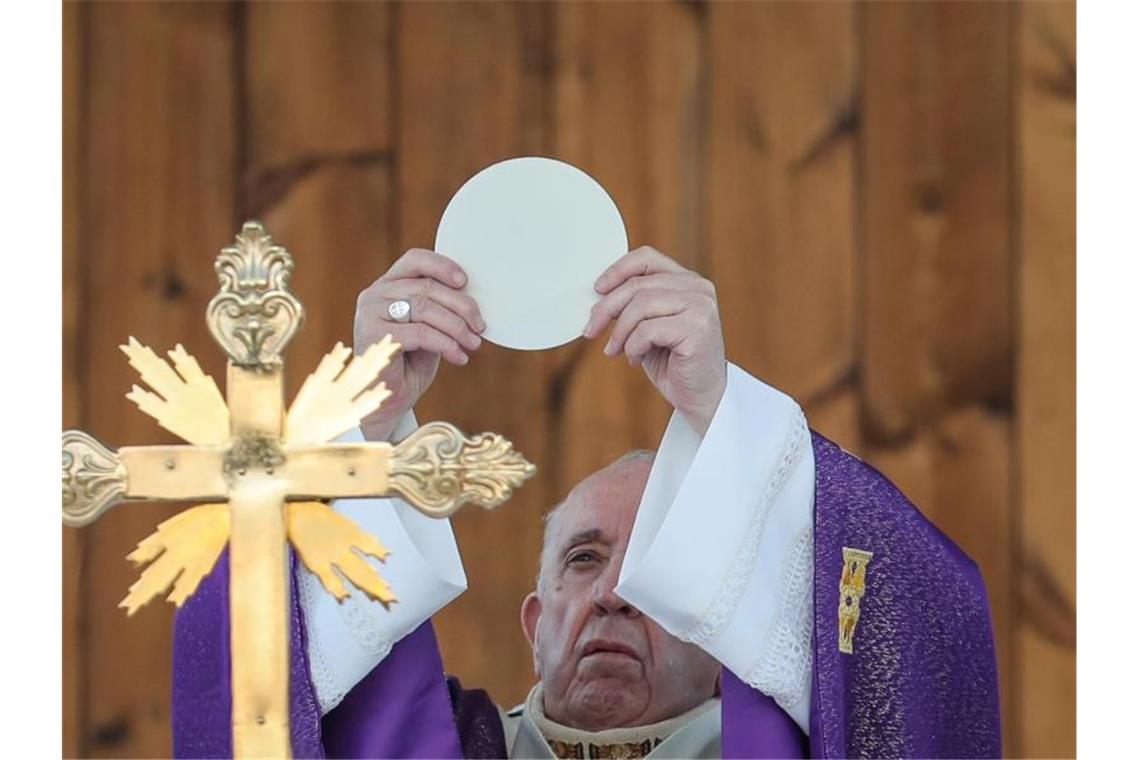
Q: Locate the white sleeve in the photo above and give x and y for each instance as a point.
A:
(721, 549)
(350, 638)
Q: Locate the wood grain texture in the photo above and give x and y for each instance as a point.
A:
(73, 352)
(835, 416)
(1046, 381)
(317, 83)
(158, 197)
(780, 231)
(937, 269)
(936, 205)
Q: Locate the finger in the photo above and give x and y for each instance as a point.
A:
(670, 333)
(449, 323)
(454, 300)
(640, 261)
(610, 305)
(420, 262)
(646, 304)
(416, 336)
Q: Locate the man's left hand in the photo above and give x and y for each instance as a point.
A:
(666, 320)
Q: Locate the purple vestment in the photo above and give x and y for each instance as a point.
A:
(922, 681)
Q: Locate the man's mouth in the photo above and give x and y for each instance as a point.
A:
(604, 646)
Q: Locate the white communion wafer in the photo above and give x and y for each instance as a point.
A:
(533, 234)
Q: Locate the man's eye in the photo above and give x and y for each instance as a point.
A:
(578, 558)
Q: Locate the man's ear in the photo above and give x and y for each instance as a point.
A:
(530, 613)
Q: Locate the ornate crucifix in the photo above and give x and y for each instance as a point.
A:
(264, 474)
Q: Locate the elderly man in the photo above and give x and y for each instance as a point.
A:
(609, 676)
(750, 590)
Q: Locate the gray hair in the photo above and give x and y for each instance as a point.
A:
(551, 517)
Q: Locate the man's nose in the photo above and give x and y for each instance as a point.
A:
(606, 602)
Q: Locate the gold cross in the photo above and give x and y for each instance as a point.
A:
(264, 473)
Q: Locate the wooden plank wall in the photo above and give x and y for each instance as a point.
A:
(937, 262)
(1045, 425)
(883, 193)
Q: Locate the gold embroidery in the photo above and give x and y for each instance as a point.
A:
(852, 585)
(619, 751)
(567, 750)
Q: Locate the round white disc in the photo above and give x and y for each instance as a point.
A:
(533, 234)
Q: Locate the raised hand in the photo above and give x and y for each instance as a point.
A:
(443, 321)
(665, 319)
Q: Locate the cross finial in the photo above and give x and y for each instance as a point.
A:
(254, 315)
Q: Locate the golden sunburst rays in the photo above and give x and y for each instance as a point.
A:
(187, 402)
(327, 542)
(335, 398)
(179, 553)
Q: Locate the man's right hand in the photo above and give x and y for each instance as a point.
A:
(444, 321)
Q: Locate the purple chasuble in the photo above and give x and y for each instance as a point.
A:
(922, 681)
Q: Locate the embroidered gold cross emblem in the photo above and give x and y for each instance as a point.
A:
(852, 584)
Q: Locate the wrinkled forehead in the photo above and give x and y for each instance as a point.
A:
(605, 502)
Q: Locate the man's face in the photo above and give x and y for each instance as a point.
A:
(602, 663)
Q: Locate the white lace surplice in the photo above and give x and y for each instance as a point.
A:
(720, 554)
(721, 550)
(348, 639)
